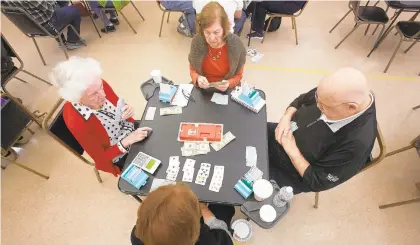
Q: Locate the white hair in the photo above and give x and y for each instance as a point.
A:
(72, 77)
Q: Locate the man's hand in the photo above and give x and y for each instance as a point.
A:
(128, 111)
(282, 127)
(222, 86)
(202, 82)
(136, 136)
(288, 142)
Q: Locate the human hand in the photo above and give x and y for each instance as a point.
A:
(222, 86)
(136, 136)
(127, 112)
(288, 142)
(282, 127)
(202, 82)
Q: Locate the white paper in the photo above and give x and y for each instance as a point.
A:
(150, 114)
(220, 99)
(180, 98)
(165, 88)
(251, 156)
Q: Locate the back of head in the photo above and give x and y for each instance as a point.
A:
(73, 76)
(211, 13)
(169, 215)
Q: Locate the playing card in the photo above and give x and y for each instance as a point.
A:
(217, 178)
(160, 182)
(188, 175)
(227, 138)
(118, 110)
(293, 126)
(189, 163)
(150, 114)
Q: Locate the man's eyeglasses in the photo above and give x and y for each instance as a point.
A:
(318, 102)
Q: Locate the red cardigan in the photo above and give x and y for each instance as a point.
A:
(92, 136)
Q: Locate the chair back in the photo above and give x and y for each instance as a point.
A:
(382, 151)
(301, 10)
(22, 20)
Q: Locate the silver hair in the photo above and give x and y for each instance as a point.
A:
(72, 77)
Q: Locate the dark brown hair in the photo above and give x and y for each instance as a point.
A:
(169, 215)
(211, 13)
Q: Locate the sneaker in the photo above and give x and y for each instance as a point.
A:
(61, 46)
(108, 29)
(183, 30)
(114, 21)
(76, 45)
(255, 35)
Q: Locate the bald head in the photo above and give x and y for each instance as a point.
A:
(344, 85)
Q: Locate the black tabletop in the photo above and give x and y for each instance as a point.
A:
(249, 128)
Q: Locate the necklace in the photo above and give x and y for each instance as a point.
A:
(217, 56)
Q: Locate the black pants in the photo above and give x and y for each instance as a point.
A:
(223, 212)
(281, 170)
(278, 7)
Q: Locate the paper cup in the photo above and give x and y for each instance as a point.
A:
(156, 75)
(268, 213)
(262, 189)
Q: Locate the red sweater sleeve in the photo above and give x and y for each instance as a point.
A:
(194, 75)
(236, 79)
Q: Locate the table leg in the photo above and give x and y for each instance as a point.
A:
(252, 20)
(137, 198)
(385, 33)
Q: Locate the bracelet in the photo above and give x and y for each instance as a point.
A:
(121, 147)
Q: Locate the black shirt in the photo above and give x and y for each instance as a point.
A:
(333, 157)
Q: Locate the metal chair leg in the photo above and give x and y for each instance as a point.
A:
(98, 176)
(24, 167)
(410, 46)
(376, 28)
(399, 203)
(316, 199)
(33, 75)
(136, 10)
(137, 198)
(167, 20)
(354, 28)
(393, 55)
(367, 29)
(161, 23)
(416, 107)
(78, 34)
(20, 79)
(266, 29)
(128, 22)
(380, 38)
(94, 25)
(39, 51)
(64, 46)
(340, 21)
(295, 27)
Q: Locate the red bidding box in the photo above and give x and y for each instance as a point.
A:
(201, 132)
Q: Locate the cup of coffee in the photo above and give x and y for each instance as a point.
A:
(156, 76)
(268, 213)
(263, 189)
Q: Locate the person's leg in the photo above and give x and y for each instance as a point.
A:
(112, 13)
(239, 23)
(184, 6)
(96, 7)
(65, 16)
(258, 21)
(191, 21)
(223, 212)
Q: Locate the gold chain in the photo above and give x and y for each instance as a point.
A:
(214, 58)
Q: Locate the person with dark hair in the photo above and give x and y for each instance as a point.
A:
(278, 7)
(53, 18)
(216, 54)
(173, 215)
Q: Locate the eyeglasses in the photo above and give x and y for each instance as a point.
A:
(322, 104)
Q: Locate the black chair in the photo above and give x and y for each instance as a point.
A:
(58, 130)
(409, 32)
(31, 28)
(364, 15)
(164, 10)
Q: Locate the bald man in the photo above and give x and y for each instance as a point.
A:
(326, 135)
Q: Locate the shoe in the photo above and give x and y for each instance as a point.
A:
(183, 30)
(114, 21)
(75, 45)
(61, 46)
(255, 35)
(108, 29)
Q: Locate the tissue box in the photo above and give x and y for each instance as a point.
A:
(252, 98)
(167, 97)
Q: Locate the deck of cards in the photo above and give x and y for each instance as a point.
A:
(195, 148)
(203, 174)
(227, 138)
(174, 110)
(217, 179)
(188, 170)
(173, 168)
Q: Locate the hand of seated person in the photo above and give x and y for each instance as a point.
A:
(205, 211)
(282, 127)
(202, 82)
(288, 142)
(136, 136)
(128, 111)
(223, 86)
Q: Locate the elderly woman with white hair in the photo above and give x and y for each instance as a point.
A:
(89, 113)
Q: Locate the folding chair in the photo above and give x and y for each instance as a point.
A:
(30, 27)
(371, 161)
(6, 78)
(163, 15)
(409, 32)
(58, 130)
(14, 122)
(364, 15)
(292, 16)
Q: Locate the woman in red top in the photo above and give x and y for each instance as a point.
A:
(90, 113)
(216, 55)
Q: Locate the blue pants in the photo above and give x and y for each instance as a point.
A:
(64, 16)
(96, 7)
(239, 23)
(184, 6)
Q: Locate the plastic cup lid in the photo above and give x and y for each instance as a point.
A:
(268, 213)
(263, 188)
(242, 230)
(289, 189)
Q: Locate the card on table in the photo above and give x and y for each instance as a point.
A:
(150, 114)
